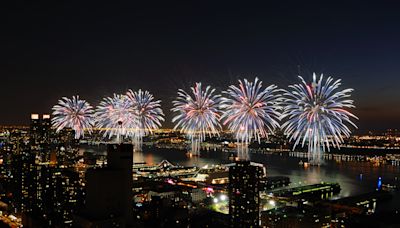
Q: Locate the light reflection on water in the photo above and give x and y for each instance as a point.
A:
(347, 174)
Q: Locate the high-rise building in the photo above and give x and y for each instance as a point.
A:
(39, 146)
(46, 195)
(64, 148)
(244, 194)
(109, 196)
(56, 196)
(40, 132)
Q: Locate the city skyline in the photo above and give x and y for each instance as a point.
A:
(56, 50)
(50, 179)
(199, 114)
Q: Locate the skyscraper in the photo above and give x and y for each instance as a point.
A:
(39, 143)
(27, 175)
(55, 197)
(109, 196)
(244, 194)
(46, 195)
(40, 132)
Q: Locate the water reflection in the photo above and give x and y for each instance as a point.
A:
(354, 177)
(138, 157)
(150, 159)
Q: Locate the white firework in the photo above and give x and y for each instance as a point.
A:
(148, 113)
(73, 113)
(250, 111)
(315, 113)
(115, 116)
(197, 114)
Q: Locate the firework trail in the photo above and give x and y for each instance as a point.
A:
(316, 113)
(197, 114)
(73, 113)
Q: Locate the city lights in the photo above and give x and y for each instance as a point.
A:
(222, 197)
(272, 203)
(200, 114)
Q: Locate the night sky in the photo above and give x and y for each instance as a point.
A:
(53, 49)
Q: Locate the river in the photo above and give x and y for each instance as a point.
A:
(354, 177)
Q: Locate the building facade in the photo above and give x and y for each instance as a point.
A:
(244, 194)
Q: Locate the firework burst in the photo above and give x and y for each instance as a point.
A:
(148, 113)
(73, 113)
(250, 111)
(115, 116)
(197, 114)
(316, 113)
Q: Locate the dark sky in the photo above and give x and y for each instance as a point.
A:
(54, 49)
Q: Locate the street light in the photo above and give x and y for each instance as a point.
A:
(223, 197)
(272, 203)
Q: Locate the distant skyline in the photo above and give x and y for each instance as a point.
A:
(54, 49)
